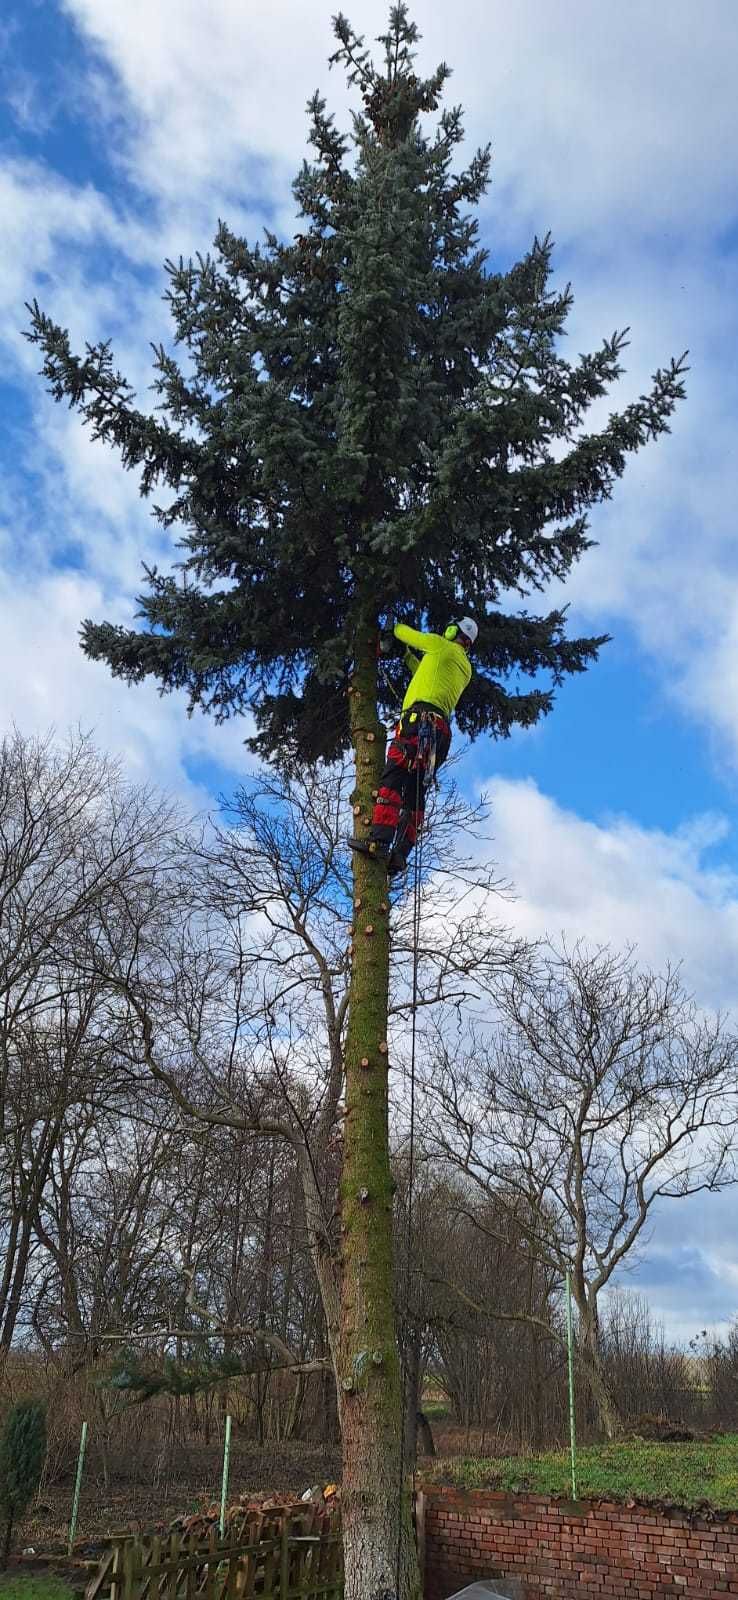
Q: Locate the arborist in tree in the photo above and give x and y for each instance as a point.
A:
(440, 670)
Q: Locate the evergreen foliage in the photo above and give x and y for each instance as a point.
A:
(365, 421)
(141, 1378)
(22, 1457)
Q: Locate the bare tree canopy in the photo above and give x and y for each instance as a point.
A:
(74, 840)
(599, 1091)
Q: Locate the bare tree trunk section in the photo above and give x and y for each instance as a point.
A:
(411, 1387)
(591, 1363)
(375, 1506)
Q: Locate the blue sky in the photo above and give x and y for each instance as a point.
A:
(127, 131)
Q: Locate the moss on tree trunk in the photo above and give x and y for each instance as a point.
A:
(375, 1517)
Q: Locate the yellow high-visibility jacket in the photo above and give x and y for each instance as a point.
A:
(441, 674)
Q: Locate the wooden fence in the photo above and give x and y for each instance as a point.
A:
(298, 1558)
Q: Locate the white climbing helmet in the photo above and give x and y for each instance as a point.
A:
(469, 628)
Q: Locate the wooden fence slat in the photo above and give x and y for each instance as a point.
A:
(189, 1570)
(114, 1587)
(151, 1564)
(102, 1577)
(211, 1580)
(170, 1588)
(294, 1555)
(232, 1584)
(271, 1559)
(129, 1571)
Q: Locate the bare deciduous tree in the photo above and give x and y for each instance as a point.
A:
(237, 997)
(73, 836)
(600, 1091)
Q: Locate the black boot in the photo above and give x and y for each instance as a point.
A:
(397, 863)
(376, 849)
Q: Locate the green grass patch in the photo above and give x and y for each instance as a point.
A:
(436, 1410)
(33, 1586)
(679, 1474)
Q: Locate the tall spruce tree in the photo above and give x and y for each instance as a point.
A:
(367, 421)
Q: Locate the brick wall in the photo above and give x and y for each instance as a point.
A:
(588, 1550)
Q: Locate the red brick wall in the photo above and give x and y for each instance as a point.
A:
(591, 1550)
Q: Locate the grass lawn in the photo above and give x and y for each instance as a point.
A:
(32, 1587)
(680, 1474)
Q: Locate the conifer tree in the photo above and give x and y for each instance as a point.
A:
(22, 1457)
(368, 422)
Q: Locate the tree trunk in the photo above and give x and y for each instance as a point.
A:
(411, 1352)
(377, 1524)
(424, 1434)
(589, 1352)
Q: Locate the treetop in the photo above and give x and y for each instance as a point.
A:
(364, 420)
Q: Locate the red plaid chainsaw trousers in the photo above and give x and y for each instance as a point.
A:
(400, 804)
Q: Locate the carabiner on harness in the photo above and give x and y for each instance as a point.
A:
(427, 734)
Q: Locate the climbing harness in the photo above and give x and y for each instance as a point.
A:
(423, 763)
(417, 865)
(426, 756)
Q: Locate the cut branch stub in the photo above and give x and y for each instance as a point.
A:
(365, 1061)
(370, 738)
(364, 1196)
(357, 810)
(383, 1047)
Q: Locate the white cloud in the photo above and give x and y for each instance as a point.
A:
(73, 529)
(689, 1269)
(215, 95)
(605, 119)
(616, 882)
(667, 555)
(46, 681)
(599, 115)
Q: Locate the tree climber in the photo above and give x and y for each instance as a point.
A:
(440, 670)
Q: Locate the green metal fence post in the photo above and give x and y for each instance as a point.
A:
(572, 1420)
(77, 1487)
(226, 1465)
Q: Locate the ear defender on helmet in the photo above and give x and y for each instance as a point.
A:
(467, 628)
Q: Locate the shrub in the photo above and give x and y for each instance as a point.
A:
(22, 1456)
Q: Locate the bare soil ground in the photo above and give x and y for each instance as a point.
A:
(190, 1481)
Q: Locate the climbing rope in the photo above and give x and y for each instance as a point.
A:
(429, 746)
(387, 681)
